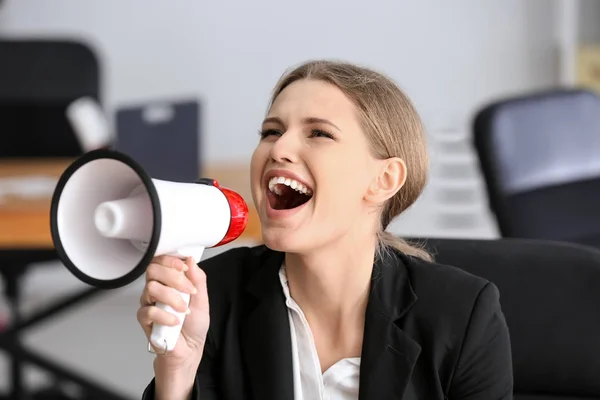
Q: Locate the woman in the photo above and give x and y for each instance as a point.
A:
(332, 307)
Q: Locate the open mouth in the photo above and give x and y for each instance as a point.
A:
(286, 194)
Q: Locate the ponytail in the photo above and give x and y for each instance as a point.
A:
(387, 241)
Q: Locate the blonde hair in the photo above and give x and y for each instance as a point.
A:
(393, 128)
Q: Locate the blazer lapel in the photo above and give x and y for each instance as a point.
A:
(388, 354)
(265, 333)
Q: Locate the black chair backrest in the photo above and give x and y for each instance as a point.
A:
(540, 157)
(550, 295)
(38, 80)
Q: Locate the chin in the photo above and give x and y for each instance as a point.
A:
(296, 238)
(283, 239)
(286, 236)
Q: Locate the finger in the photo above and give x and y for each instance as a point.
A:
(198, 278)
(157, 292)
(145, 299)
(147, 316)
(170, 277)
(143, 322)
(171, 262)
(195, 274)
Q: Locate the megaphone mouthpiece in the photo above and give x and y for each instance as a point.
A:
(109, 219)
(129, 218)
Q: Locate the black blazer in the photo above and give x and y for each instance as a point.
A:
(431, 332)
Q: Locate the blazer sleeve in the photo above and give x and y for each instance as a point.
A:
(484, 368)
(205, 386)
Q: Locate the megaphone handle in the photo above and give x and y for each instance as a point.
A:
(165, 337)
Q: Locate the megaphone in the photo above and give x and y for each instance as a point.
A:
(109, 218)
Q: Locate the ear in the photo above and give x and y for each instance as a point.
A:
(389, 180)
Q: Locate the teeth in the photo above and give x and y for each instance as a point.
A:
(297, 186)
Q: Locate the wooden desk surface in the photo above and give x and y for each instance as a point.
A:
(25, 223)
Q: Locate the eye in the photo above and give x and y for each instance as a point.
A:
(321, 133)
(268, 132)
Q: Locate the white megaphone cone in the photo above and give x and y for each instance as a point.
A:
(109, 219)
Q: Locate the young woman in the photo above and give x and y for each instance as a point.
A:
(332, 306)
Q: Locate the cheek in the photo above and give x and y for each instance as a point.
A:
(342, 183)
(258, 162)
(257, 166)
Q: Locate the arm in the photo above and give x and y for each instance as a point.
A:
(198, 385)
(484, 368)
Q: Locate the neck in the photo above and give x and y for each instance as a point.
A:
(332, 285)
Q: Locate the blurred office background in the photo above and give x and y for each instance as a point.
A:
(451, 57)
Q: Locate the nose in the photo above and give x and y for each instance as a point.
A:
(286, 148)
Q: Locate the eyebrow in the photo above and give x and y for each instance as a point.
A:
(309, 120)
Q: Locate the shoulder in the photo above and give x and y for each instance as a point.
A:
(450, 301)
(230, 274)
(232, 260)
(234, 267)
(445, 287)
(464, 309)
(458, 316)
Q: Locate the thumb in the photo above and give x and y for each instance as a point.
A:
(198, 301)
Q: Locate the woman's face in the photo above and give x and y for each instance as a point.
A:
(312, 170)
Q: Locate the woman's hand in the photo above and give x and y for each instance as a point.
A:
(163, 275)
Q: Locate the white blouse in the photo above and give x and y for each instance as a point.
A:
(339, 382)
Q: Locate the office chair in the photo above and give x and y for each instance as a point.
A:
(540, 158)
(549, 292)
(38, 80)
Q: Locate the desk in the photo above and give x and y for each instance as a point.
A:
(25, 232)
(25, 224)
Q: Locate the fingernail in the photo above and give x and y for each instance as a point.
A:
(184, 268)
(188, 311)
(194, 290)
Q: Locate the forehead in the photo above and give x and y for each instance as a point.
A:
(313, 98)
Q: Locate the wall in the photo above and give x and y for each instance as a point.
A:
(588, 24)
(449, 56)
